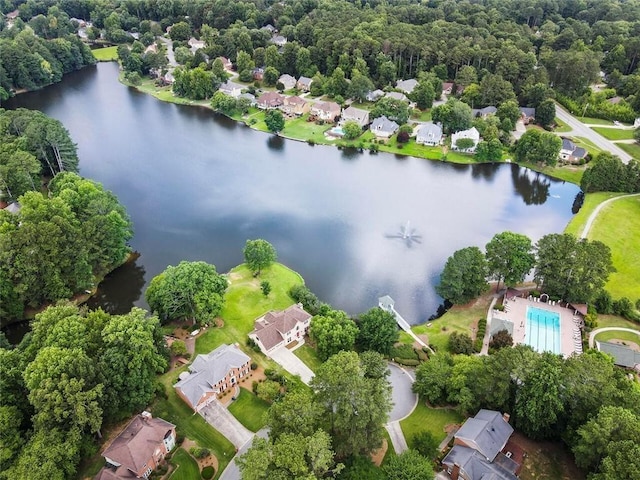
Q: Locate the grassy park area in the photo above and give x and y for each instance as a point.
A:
(106, 54)
(249, 410)
(591, 201)
(186, 466)
(614, 133)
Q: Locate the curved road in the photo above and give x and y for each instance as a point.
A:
(592, 335)
(594, 214)
(579, 129)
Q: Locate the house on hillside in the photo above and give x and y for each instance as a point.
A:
(484, 112)
(288, 81)
(374, 95)
(471, 134)
(304, 84)
(327, 111)
(528, 115)
(295, 106)
(382, 127)
(407, 86)
(211, 374)
(482, 449)
(277, 329)
(231, 88)
(270, 100)
(570, 152)
(138, 449)
(352, 114)
(429, 134)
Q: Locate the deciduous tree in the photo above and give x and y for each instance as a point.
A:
(378, 331)
(509, 257)
(258, 255)
(332, 333)
(409, 465)
(464, 276)
(274, 120)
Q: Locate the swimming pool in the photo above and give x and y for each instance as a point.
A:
(543, 330)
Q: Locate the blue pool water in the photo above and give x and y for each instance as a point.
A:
(543, 330)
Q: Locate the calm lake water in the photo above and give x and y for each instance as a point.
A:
(198, 185)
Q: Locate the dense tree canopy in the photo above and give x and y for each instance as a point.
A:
(509, 257)
(332, 333)
(464, 276)
(378, 331)
(607, 173)
(538, 147)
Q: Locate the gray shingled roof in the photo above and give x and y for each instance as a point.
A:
(383, 124)
(623, 356)
(488, 431)
(407, 86)
(207, 370)
(475, 465)
(430, 132)
(528, 111)
(273, 326)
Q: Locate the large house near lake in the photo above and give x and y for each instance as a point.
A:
(382, 127)
(471, 134)
(482, 449)
(138, 449)
(327, 111)
(211, 374)
(270, 100)
(278, 329)
(352, 114)
(295, 106)
(429, 134)
(570, 152)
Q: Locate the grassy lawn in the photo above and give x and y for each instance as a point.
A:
(244, 302)
(299, 128)
(626, 336)
(594, 121)
(614, 133)
(106, 54)
(568, 173)
(561, 126)
(431, 419)
(459, 318)
(424, 116)
(309, 356)
(616, 321)
(618, 226)
(591, 201)
(186, 466)
(632, 149)
(249, 410)
(587, 145)
(193, 426)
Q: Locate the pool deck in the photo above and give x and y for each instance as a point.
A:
(516, 313)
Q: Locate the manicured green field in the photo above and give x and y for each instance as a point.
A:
(618, 226)
(616, 321)
(309, 356)
(632, 149)
(626, 336)
(299, 128)
(591, 201)
(186, 466)
(614, 133)
(594, 121)
(244, 302)
(568, 173)
(249, 410)
(106, 54)
(431, 419)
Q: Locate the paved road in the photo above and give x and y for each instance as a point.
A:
(232, 472)
(221, 419)
(579, 129)
(592, 335)
(292, 364)
(403, 398)
(594, 214)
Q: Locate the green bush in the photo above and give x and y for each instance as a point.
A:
(407, 362)
(208, 472)
(199, 452)
(404, 351)
(254, 365)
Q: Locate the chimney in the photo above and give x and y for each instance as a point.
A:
(146, 415)
(506, 417)
(455, 472)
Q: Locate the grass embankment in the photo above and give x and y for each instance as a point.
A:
(434, 420)
(561, 127)
(186, 466)
(595, 121)
(249, 410)
(632, 149)
(106, 54)
(591, 201)
(618, 226)
(614, 133)
(309, 357)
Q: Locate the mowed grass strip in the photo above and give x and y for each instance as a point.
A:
(591, 201)
(595, 121)
(309, 356)
(249, 410)
(614, 133)
(627, 337)
(618, 226)
(106, 54)
(434, 420)
(186, 466)
(632, 149)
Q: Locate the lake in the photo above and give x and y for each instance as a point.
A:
(197, 186)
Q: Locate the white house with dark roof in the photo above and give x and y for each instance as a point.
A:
(212, 374)
(277, 329)
(429, 134)
(304, 84)
(471, 134)
(570, 152)
(382, 127)
(231, 88)
(352, 114)
(288, 81)
(407, 86)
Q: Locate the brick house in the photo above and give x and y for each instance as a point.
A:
(327, 111)
(270, 100)
(277, 329)
(138, 449)
(212, 374)
(295, 106)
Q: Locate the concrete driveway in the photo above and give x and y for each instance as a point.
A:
(232, 472)
(221, 419)
(292, 364)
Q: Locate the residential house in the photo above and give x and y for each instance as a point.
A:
(231, 88)
(382, 127)
(397, 96)
(447, 88)
(168, 78)
(276, 329)
(528, 115)
(623, 356)
(270, 100)
(374, 95)
(288, 81)
(295, 106)
(270, 28)
(429, 134)
(482, 449)
(484, 112)
(352, 114)
(258, 73)
(153, 48)
(226, 63)
(196, 44)
(250, 97)
(570, 152)
(327, 111)
(407, 86)
(304, 84)
(14, 208)
(138, 449)
(212, 374)
(472, 134)
(279, 40)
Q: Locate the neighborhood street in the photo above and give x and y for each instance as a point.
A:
(579, 129)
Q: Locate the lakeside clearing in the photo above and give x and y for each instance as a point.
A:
(106, 54)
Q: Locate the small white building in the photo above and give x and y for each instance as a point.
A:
(429, 134)
(471, 134)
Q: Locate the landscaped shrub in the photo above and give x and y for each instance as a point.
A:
(208, 472)
(161, 390)
(461, 343)
(254, 365)
(179, 438)
(252, 345)
(199, 452)
(482, 328)
(404, 351)
(407, 362)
